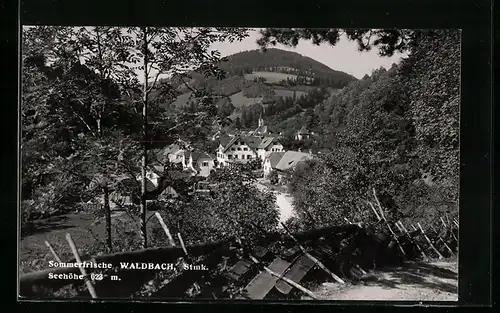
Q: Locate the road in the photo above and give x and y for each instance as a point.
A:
(283, 202)
(435, 281)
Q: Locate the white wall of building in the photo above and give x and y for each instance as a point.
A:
(240, 151)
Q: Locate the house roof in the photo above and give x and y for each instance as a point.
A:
(198, 155)
(291, 158)
(171, 149)
(158, 169)
(251, 141)
(275, 157)
(304, 130)
(224, 140)
(266, 142)
(261, 130)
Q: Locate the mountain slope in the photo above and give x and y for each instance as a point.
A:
(276, 60)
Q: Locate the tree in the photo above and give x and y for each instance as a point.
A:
(387, 134)
(233, 207)
(237, 123)
(115, 55)
(225, 107)
(387, 41)
(75, 102)
(431, 73)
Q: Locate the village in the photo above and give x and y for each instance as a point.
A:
(261, 144)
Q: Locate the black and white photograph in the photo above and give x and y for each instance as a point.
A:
(216, 163)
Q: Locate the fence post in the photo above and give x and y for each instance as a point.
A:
(88, 282)
(54, 253)
(291, 282)
(387, 224)
(165, 228)
(413, 241)
(321, 265)
(429, 241)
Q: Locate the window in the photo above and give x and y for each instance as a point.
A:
(230, 157)
(239, 149)
(249, 157)
(245, 149)
(232, 149)
(236, 156)
(204, 164)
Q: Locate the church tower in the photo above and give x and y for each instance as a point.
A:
(261, 121)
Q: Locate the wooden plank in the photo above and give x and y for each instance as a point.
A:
(259, 251)
(260, 286)
(290, 252)
(321, 265)
(298, 270)
(239, 269)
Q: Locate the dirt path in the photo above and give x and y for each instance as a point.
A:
(436, 281)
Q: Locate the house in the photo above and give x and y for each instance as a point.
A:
(269, 145)
(290, 160)
(174, 153)
(271, 161)
(239, 149)
(200, 163)
(303, 133)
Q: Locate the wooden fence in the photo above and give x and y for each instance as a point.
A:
(276, 263)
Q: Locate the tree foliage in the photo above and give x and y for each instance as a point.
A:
(390, 128)
(82, 102)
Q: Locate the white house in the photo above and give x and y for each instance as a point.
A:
(173, 154)
(303, 133)
(271, 161)
(268, 145)
(238, 149)
(244, 148)
(199, 162)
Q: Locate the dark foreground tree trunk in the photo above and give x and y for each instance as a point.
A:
(107, 210)
(144, 237)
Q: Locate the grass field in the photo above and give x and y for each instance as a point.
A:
(288, 93)
(270, 77)
(239, 100)
(34, 254)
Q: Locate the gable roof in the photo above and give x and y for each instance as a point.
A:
(304, 131)
(198, 155)
(261, 130)
(224, 140)
(251, 141)
(291, 158)
(274, 158)
(266, 142)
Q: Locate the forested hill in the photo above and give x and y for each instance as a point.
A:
(281, 61)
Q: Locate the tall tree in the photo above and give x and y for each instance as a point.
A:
(121, 55)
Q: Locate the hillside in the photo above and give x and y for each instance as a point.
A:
(281, 61)
(254, 79)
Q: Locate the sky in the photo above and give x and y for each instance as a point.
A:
(344, 56)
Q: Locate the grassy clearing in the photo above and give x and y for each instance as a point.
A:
(88, 236)
(239, 100)
(288, 93)
(270, 77)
